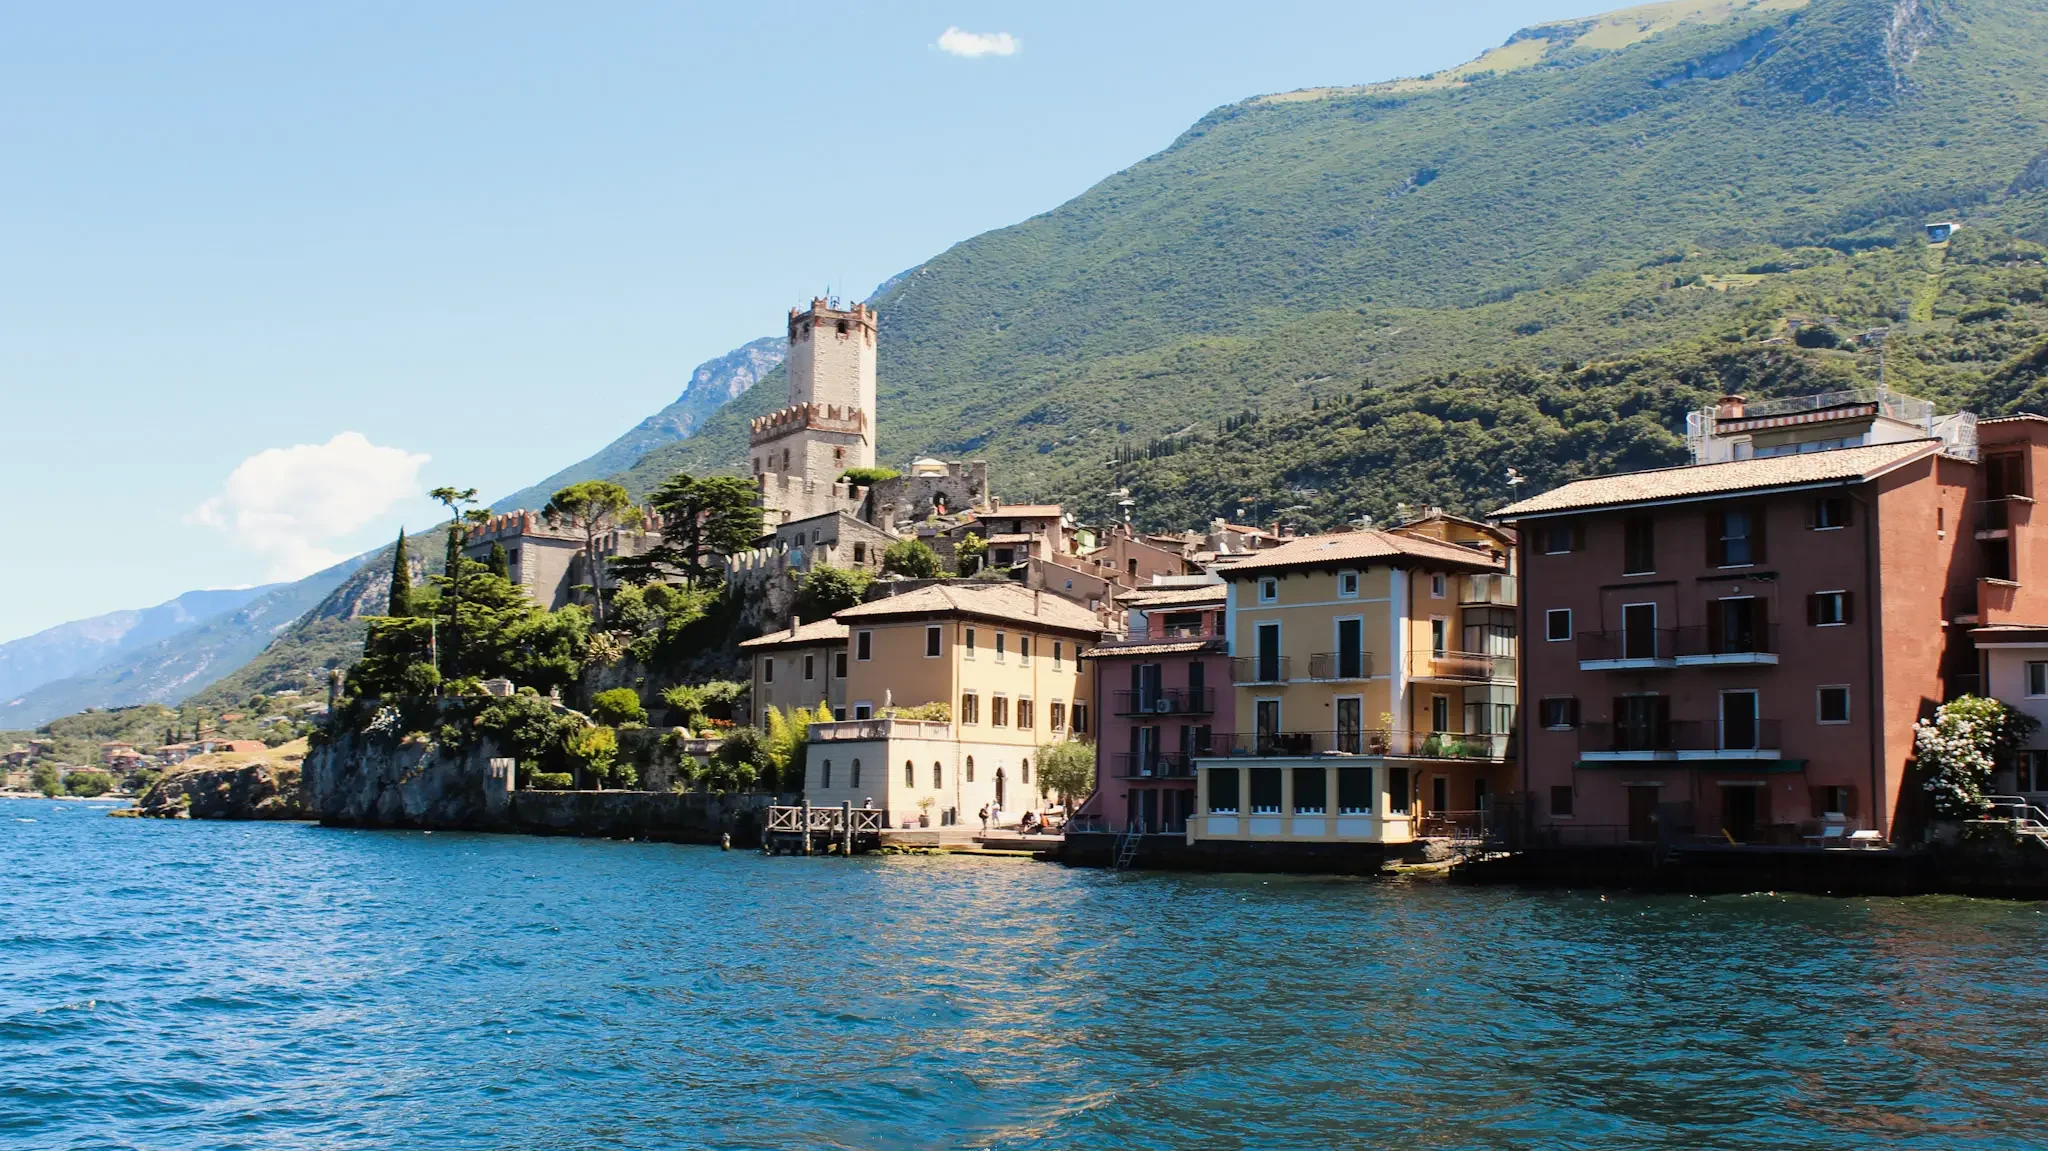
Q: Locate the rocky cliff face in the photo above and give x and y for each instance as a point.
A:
(372, 780)
(259, 790)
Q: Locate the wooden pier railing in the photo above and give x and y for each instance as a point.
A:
(798, 828)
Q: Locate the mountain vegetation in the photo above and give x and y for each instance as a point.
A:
(1509, 216)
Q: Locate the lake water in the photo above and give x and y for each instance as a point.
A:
(207, 985)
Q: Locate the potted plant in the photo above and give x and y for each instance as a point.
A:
(924, 811)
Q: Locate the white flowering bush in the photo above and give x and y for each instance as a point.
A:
(385, 722)
(1960, 748)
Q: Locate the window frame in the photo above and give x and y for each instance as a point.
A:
(1550, 617)
(810, 667)
(1838, 598)
(1820, 708)
(934, 640)
(1348, 576)
(970, 708)
(1439, 586)
(2027, 679)
(1820, 506)
(1630, 525)
(864, 646)
(1269, 589)
(1570, 717)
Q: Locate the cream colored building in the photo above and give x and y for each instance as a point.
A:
(1375, 682)
(1004, 659)
(803, 665)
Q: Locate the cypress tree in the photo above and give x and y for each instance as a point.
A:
(401, 580)
(501, 566)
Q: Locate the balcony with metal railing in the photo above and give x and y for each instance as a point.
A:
(1714, 646)
(1370, 741)
(1151, 765)
(1461, 666)
(1630, 649)
(1338, 666)
(1680, 739)
(1251, 669)
(1164, 701)
(1998, 516)
(1155, 629)
(1497, 589)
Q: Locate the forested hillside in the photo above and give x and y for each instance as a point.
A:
(1392, 231)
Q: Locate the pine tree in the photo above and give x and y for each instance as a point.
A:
(401, 580)
(501, 565)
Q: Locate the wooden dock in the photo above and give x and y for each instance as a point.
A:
(807, 830)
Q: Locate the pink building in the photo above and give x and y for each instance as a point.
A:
(1163, 691)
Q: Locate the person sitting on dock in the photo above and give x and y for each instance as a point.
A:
(1030, 823)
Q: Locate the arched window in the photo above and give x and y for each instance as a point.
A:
(909, 774)
(970, 769)
(826, 773)
(1025, 768)
(856, 773)
(938, 776)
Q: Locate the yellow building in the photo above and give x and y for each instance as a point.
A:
(1005, 662)
(1375, 681)
(801, 666)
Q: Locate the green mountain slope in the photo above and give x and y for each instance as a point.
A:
(1040, 345)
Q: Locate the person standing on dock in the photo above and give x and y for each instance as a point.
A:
(984, 819)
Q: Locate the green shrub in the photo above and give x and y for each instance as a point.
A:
(912, 558)
(88, 783)
(865, 477)
(620, 705)
(550, 781)
(828, 589)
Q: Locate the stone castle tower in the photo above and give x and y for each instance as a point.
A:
(800, 452)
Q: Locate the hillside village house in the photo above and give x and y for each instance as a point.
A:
(2011, 625)
(1005, 660)
(1740, 647)
(1374, 674)
(1162, 692)
(802, 665)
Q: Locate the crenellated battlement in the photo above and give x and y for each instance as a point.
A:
(824, 314)
(809, 417)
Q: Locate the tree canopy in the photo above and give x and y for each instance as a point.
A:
(595, 506)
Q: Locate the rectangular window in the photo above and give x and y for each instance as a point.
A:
(1439, 635)
(1350, 725)
(1439, 586)
(768, 669)
(1827, 608)
(863, 711)
(1354, 790)
(1350, 651)
(1735, 537)
(1739, 723)
(1557, 624)
(810, 667)
(1080, 717)
(1002, 645)
(1831, 703)
(1560, 537)
(970, 708)
(1223, 791)
(1265, 790)
(1560, 801)
(1024, 716)
(1024, 650)
(839, 664)
(1398, 799)
(968, 643)
(934, 641)
(863, 645)
(1830, 512)
(1311, 791)
(825, 774)
(1639, 546)
(999, 711)
(1057, 646)
(909, 774)
(860, 553)
(1639, 631)
(1559, 713)
(1347, 585)
(1269, 653)
(1269, 590)
(1266, 725)
(1439, 713)
(1057, 714)
(2037, 679)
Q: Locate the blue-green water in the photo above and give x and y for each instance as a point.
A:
(195, 985)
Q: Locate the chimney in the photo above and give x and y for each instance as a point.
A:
(795, 622)
(1729, 407)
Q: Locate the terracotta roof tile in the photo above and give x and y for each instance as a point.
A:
(1697, 481)
(1145, 597)
(1315, 551)
(810, 634)
(1005, 601)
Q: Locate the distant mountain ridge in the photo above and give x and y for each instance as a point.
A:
(184, 662)
(713, 384)
(81, 645)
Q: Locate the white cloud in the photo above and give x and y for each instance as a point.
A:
(971, 44)
(286, 503)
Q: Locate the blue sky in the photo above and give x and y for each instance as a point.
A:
(269, 271)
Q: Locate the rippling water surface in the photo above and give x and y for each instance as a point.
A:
(196, 985)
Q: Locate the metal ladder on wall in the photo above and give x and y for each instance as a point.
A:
(1127, 847)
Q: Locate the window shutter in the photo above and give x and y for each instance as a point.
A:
(1848, 607)
(1849, 802)
(1760, 624)
(1716, 554)
(1756, 533)
(1813, 609)
(1571, 711)
(1818, 798)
